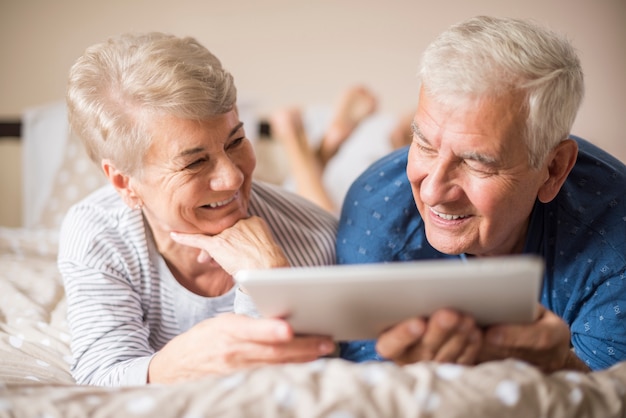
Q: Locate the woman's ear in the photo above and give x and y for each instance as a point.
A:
(122, 184)
(560, 162)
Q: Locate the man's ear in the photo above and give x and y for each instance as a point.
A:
(122, 184)
(560, 162)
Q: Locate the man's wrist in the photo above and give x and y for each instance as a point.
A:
(573, 362)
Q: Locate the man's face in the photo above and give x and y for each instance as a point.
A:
(470, 176)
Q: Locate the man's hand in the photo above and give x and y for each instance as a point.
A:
(232, 342)
(545, 343)
(447, 336)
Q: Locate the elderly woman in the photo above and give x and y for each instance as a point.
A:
(158, 114)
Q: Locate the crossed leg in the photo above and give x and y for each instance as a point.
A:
(307, 165)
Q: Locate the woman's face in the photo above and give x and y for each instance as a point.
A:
(197, 175)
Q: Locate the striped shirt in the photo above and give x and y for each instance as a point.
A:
(123, 302)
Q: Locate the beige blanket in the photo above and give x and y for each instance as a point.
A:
(35, 379)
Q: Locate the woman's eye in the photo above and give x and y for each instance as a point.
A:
(196, 163)
(236, 142)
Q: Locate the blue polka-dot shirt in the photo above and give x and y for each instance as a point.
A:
(581, 235)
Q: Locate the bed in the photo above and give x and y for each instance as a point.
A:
(34, 341)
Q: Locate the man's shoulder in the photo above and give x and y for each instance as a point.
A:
(385, 178)
(594, 161)
(597, 179)
(390, 165)
(589, 210)
(380, 205)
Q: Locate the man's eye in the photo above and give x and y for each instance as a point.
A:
(423, 149)
(479, 167)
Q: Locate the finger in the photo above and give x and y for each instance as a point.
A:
(519, 335)
(442, 326)
(199, 241)
(472, 350)
(545, 343)
(397, 341)
(301, 349)
(258, 330)
(458, 341)
(547, 331)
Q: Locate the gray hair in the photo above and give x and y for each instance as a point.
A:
(115, 86)
(487, 56)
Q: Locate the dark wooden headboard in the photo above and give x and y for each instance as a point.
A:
(13, 129)
(10, 129)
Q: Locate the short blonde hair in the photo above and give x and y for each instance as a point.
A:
(115, 85)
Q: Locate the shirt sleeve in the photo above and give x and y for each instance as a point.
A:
(109, 337)
(599, 328)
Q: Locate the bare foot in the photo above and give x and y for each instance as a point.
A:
(354, 105)
(287, 126)
(402, 134)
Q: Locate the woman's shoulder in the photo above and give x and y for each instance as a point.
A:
(266, 196)
(305, 231)
(103, 206)
(100, 217)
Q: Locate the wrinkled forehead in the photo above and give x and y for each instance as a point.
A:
(459, 98)
(493, 118)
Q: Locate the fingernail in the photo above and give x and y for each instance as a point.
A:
(282, 331)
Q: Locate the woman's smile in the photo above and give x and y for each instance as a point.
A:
(221, 203)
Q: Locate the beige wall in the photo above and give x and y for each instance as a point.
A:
(284, 52)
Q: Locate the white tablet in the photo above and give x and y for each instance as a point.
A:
(353, 302)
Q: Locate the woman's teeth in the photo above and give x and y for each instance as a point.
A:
(222, 203)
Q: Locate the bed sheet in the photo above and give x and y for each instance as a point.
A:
(35, 378)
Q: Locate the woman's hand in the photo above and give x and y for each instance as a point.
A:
(545, 343)
(248, 244)
(447, 336)
(232, 342)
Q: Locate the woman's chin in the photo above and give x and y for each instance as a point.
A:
(214, 227)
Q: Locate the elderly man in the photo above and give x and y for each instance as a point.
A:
(493, 170)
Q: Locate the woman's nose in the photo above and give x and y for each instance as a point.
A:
(225, 175)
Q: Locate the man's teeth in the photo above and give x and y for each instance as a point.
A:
(448, 217)
(222, 203)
